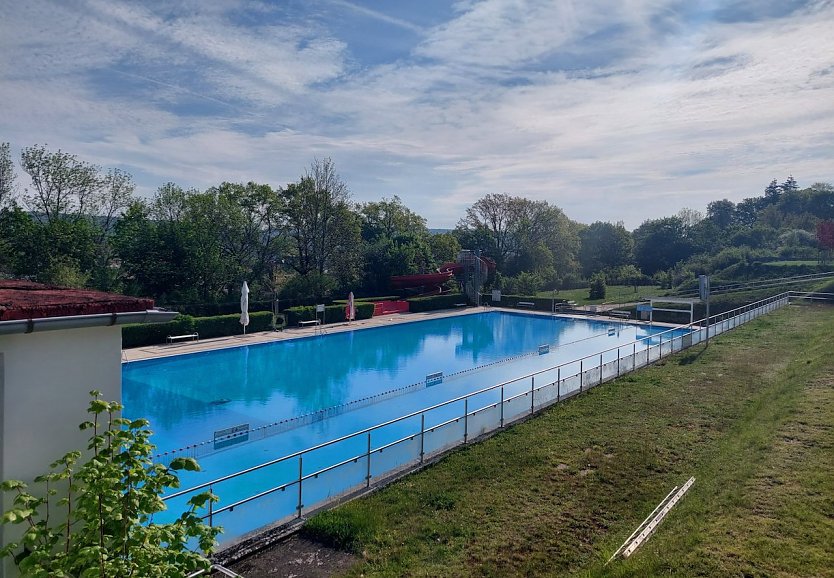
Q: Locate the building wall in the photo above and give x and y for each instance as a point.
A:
(45, 380)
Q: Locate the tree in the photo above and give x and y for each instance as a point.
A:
(495, 215)
(62, 186)
(7, 175)
(396, 242)
(597, 286)
(721, 213)
(660, 243)
(444, 247)
(324, 233)
(102, 525)
(772, 192)
(390, 219)
(790, 185)
(690, 217)
(513, 230)
(825, 238)
(604, 247)
(747, 211)
(250, 228)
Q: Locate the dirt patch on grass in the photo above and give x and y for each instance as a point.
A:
(295, 557)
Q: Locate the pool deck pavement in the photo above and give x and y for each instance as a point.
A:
(183, 347)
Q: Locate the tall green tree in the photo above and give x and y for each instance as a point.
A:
(660, 243)
(445, 247)
(514, 230)
(324, 233)
(250, 228)
(63, 187)
(390, 218)
(722, 213)
(396, 242)
(605, 247)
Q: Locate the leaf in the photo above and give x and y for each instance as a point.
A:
(98, 406)
(10, 485)
(187, 464)
(200, 500)
(16, 515)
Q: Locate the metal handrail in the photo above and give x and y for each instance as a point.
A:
(719, 316)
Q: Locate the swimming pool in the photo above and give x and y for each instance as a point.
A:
(356, 380)
(188, 398)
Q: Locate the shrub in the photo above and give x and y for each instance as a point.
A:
(539, 303)
(434, 302)
(597, 286)
(108, 503)
(332, 313)
(223, 325)
(139, 334)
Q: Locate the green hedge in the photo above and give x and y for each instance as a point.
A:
(223, 325)
(332, 313)
(433, 302)
(139, 334)
(539, 303)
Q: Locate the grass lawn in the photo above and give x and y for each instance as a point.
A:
(613, 294)
(792, 263)
(750, 417)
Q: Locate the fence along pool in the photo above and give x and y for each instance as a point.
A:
(289, 487)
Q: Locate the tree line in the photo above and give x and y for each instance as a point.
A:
(77, 224)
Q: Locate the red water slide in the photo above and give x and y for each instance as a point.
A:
(444, 273)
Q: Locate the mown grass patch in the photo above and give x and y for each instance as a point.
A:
(556, 495)
(613, 294)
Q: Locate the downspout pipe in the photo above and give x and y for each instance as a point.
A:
(81, 321)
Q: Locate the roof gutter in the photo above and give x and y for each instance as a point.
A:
(81, 321)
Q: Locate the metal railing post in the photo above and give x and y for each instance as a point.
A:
(300, 476)
(581, 372)
(368, 469)
(618, 362)
(465, 420)
(422, 436)
(211, 508)
(559, 383)
(532, 394)
(660, 348)
(600, 369)
(502, 406)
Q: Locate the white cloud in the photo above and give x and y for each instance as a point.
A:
(683, 117)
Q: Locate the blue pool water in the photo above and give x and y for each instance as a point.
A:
(362, 378)
(189, 397)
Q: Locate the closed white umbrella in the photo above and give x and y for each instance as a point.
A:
(351, 308)
(244, 306)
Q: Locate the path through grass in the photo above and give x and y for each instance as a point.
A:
(750, 417)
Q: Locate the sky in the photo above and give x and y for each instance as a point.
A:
(618, 110)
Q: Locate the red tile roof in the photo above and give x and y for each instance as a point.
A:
(27, 300)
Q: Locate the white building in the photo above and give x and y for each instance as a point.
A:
(56, 345)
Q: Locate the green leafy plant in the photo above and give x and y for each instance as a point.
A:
(95, 517)
(597, 286)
